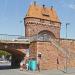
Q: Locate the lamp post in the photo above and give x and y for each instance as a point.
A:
(66, 44)
(66, 28)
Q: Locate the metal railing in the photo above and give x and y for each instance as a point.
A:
(9, 37)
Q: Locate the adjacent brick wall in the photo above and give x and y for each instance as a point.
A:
(50, 54)
(70, 46)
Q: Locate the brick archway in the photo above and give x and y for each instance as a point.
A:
(16, 57)
(16, 50)
(45, 35)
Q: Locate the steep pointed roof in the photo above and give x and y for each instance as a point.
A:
(42, 12)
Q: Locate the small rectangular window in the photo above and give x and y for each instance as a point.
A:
(39, 55)
(47, 15)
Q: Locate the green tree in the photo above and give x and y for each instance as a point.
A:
(4, 53)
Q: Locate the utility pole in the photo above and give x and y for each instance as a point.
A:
(66, 44)
(66, 28)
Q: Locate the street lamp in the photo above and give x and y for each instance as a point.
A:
(66, 28)
(66, 44)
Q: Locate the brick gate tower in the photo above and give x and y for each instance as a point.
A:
(42, 22)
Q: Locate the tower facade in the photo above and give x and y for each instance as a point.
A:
(41, 20)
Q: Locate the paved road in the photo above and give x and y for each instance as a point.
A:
(18, 72)
(7, 71)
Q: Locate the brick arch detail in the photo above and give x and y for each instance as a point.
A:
(47, 32)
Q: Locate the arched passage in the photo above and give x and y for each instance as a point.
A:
(16, 50)
(16, 57)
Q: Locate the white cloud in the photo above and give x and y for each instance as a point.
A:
(72, 6)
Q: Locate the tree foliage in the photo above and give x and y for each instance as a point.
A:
(4, 53)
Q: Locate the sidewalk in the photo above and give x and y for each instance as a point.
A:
(44, 72)
(48, 72)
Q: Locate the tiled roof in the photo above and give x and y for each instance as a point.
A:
(42, 12)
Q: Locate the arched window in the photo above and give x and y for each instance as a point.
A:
(45, 36)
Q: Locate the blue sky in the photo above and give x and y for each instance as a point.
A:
(12, 13)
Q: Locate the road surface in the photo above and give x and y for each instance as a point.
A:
(6, 70)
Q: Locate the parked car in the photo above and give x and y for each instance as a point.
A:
(3, 61)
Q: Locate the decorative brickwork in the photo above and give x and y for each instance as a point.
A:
(33, 28)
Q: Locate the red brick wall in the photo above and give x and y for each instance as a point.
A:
(70, 46)
(50, 54)
(33, 50)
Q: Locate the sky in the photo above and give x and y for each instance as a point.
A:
(12, 13)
